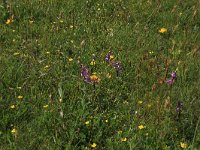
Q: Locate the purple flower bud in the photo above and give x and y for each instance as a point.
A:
(170, 81)
(85, 73)
(173, 75)
(118, 67)
(107, 58)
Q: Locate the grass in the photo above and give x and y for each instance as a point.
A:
(46, 104)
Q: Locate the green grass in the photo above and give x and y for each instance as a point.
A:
(58, 110)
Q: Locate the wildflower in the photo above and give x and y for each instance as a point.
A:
(87, 122)
(19, 97)
(183, 145)
(48, 52)
(94, 78)
(8, 21)
(45, 106)
(92, 63)
(109, 57)
(124, 139)
(70, 59)
(162, 30)
(13, 131)
(61, 21)
(106, 120)
(12, 106)
(85, 74)
(141, 126)
(173, 75)
(172, 79)
(94, 145)
(118, 67)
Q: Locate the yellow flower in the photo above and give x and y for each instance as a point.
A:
(94, 145)
(87, 122)
(70, 59)
(19, 97)
(183, 145)
(8, 21)
(45, 106)
(106, 120)
(48, 52)
(12, 106)
(61, 21)
(162, 30)
(111, 57)
(141, 126)
(94, 78)
(124, 139)
(13, 131)
(92, 63)
(140, 102)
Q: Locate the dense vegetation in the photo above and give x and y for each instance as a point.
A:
(99, 74)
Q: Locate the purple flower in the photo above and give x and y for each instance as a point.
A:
(172, 79)
(85, 73)
(118, 67)
(173, 75)
(109, 56)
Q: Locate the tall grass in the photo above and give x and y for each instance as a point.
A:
(46, 104)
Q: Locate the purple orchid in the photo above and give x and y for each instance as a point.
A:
(172, 79)
(85, 73)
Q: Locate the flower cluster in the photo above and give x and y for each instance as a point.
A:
(109, 56)
(87, 77)
(172, 79)
(85, 73)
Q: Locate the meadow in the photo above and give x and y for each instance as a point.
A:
(104, 75)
